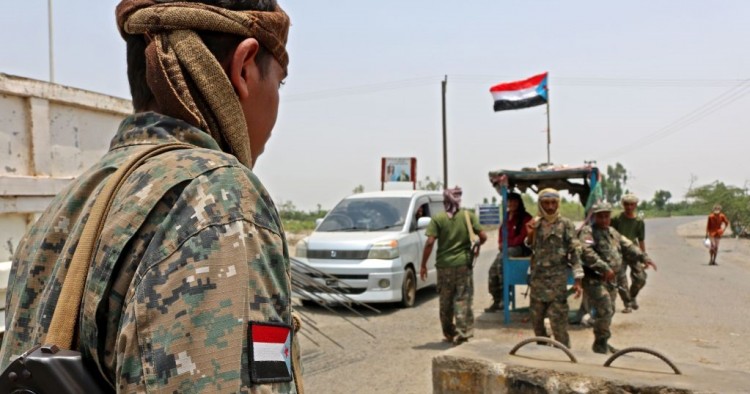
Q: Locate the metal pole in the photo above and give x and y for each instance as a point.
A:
(51, 50)
(445, 138)
(549, 138)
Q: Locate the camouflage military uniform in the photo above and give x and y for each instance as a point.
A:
(636, 231)
(455, 283)
(191, 258)
(456, 293)
(556, 251)
(610, 248)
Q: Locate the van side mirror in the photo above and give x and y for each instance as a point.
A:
(318, 221)
(423, 222)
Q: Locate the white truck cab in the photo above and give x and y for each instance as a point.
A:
(370, 247)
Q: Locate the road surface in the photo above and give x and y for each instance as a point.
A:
(693, 313)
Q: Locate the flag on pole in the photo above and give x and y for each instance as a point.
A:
(520, 94)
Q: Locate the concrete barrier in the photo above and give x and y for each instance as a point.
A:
(483, 366)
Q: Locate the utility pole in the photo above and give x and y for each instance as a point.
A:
(445, 138)
(51, 50)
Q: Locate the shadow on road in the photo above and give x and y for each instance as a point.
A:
(441, 345)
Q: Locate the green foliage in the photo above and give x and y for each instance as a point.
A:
(660, 199)
(295, 220)
(614, 182)
(572, 210)
(735, 202)
(358, 189)
(428, 184)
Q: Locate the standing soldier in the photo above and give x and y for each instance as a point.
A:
(556, 250)
(453, 229)
(633, 228)
(601, 267)
(192, 270)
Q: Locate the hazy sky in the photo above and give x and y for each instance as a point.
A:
(659, 86)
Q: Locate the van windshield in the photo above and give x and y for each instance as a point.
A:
(367, 214)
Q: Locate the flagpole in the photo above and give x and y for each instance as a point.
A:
(549, 138)
(445, 137)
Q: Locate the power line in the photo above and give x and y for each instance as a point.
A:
(491, 79)
(604, 82)
(362, 89)
(728, 97)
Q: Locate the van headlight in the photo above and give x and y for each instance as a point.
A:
(387, 250)
(301, 249)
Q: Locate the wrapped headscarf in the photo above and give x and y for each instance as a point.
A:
(547, 194)
(452, 200)
(188, 82)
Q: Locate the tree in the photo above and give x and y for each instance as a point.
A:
(735, 202)
(358, 189)
(660, 199)
(428, 184)
(614, 182)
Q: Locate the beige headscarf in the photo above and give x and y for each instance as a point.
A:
(188, 82)
(548, 194)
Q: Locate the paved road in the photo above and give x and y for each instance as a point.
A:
(692, 312)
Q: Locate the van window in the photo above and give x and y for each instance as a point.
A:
(367, 214)
(436, 207)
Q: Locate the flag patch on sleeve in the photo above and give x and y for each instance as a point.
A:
(270, 352)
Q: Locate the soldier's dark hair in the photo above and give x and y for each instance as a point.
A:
(221, 46)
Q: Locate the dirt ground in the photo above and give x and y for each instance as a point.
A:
(694, 313)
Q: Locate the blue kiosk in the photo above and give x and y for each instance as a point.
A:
(579, 181)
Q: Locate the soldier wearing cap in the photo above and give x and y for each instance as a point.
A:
(601, 268)
(556, 251)
(633, 228)
(191, 275)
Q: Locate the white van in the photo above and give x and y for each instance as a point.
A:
(370, 247)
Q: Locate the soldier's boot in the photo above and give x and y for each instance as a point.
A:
(495, 307)
(600, 346)
(612, 349)
(628, 308)
(633, 304)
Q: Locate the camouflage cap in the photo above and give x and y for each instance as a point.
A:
(601, 206)
(629, 198)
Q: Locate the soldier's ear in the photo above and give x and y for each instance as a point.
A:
(243, 71)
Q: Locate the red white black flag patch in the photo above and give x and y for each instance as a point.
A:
(270, 352)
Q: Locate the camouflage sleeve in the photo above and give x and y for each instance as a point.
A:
(589, 257)
(574, 251)
(214, 275)
(186, 327)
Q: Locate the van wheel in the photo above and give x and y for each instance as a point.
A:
(409, 288)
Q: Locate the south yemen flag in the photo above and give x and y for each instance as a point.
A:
(271, 358)
(520, 94)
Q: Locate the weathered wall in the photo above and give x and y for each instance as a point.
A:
(49, 134)
(486, 367)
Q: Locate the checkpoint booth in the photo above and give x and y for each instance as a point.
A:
(580, 182)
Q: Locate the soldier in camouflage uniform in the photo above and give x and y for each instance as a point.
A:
(552, 239)
(192, 261)
(454, 265)
(600, 268)
(633, 228)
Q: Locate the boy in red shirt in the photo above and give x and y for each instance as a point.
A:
(714, 231)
